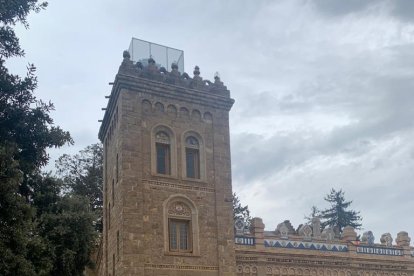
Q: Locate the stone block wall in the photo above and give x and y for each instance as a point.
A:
(142, 102)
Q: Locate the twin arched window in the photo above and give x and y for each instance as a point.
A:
(163, 152)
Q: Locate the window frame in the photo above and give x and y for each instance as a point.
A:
(189, 216)
(200, 167)
(166, 148)
(172, 151)
(192, 153)
(178, 237)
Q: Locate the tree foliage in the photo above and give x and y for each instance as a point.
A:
(15, 219)
(26, 127)
(315, 212)
(82, 176)
(241, 212)
(65, 223)
(43, 231)
(337, 216)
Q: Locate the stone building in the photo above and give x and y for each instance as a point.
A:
(168, 194)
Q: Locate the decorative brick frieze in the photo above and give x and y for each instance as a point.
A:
(180, 267)
(157, 183)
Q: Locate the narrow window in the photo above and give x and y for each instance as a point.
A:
(113, 192)
(192, 157)
(117, 244)
(162, 145)
(113, 264)
(117, 168)
(109, 216)
(179, 235)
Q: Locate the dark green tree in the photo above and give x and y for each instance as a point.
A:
(82, 176)
(241, 212)
(15, 219)
(337, 216)
(65, 223)
(26, 132)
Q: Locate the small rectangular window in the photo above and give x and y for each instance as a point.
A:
(117, 244)
(179, 235)
(113, 192)
(163, 158)
(192, 163)
(113, 264)
(109, 216)
(117, 168)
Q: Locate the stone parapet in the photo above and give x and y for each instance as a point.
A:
(157, 82)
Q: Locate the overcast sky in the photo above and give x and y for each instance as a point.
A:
(324, 91)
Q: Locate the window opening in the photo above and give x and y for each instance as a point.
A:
(162, 145)
(179, 234)
(192, 157)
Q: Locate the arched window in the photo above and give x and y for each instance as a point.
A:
(179, 228)
(181, 225)
(192, 157)
(163, 152)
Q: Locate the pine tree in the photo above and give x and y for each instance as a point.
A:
(337, 216)
(241, 212)
(315, 212)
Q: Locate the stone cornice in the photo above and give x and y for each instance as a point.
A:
(216, 97)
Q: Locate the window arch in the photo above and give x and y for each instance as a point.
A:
(163, 151)
(181, 231)
(193, 156)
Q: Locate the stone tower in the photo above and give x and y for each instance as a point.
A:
(167, 175)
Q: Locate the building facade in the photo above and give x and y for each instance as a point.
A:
(168, 194)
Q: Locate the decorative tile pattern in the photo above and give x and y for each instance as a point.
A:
(379, 251)
(244, 240)
(306, 245)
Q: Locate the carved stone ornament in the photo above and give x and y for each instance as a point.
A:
(284, 231)
(306, 231)
(368, 237)
(328, 234)
(349, 233)
(239, 226)
(403, 239)
(162, 137)
(316, 227)
(386, 239)
(179, 209)
(191, 142)
(126, 54)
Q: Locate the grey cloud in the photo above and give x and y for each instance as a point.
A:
(258, 158)
(339, 8)
(400, 9)
(403, 9)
